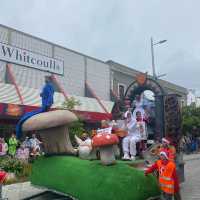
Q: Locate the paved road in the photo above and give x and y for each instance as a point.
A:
(191, 187)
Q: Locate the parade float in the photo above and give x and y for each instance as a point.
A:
(166, 120)
(99, 176)
(84, 178)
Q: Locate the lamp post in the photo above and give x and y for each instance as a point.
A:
(152, 56)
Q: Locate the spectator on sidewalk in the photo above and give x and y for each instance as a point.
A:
(27, 143)
(22, 153)
(188, 144)
(198, 144)
(3, 147)
(12, 145)
(35, 143)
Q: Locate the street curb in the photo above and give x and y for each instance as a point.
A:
(196, 157)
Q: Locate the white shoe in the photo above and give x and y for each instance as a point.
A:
(132, 157)
(126, 157)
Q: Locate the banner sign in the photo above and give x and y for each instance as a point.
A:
(27, 58)
(11, 110)
(104, 130)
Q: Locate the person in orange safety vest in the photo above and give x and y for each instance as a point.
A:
(167, 173)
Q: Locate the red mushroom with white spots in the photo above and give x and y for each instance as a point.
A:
(105, 143)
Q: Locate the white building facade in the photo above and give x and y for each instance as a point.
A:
(77, 68)
(30, 59)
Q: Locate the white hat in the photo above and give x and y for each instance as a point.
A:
(163, 153)
(165, 140)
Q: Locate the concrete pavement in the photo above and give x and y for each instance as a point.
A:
(19, 191)
(190, 189)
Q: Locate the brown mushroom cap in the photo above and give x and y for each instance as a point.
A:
(49, 119)
(104, 139)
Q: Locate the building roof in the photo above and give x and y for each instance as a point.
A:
(51, 43)
(132, 72)
(116, 66)
(122, 68)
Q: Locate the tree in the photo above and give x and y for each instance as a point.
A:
(70, 103)
(191, 120)
(76, 128)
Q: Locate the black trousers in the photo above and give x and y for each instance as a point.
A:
(165, 196)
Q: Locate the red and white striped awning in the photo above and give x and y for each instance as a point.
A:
(89, 108)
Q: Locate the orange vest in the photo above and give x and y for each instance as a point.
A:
(172, 153)
(165, 176)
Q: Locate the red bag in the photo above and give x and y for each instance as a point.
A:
(2, 176)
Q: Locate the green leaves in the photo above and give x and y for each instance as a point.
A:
(70, 103)
(11, 165)
(76, 128)
(191, 119)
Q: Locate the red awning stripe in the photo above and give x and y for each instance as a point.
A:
(15, 111)
(96, 97)
(12, 77)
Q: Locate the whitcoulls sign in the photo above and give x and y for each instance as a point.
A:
(27, 58)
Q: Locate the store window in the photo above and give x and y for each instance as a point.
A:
(121, 90)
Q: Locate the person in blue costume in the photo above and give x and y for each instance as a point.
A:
(47, 101)
(47, 94)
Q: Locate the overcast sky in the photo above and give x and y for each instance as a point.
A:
(118, 30)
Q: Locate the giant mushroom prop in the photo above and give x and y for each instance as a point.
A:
(53, 129)
(105, 142)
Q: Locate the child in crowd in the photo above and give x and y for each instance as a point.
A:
(12, 145)
(23, 153)
(3, 147)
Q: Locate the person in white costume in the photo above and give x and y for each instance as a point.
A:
(134, 136)
(141, 123)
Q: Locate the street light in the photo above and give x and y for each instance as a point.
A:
(152, 56)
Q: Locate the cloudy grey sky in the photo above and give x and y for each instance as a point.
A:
(119, 30)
